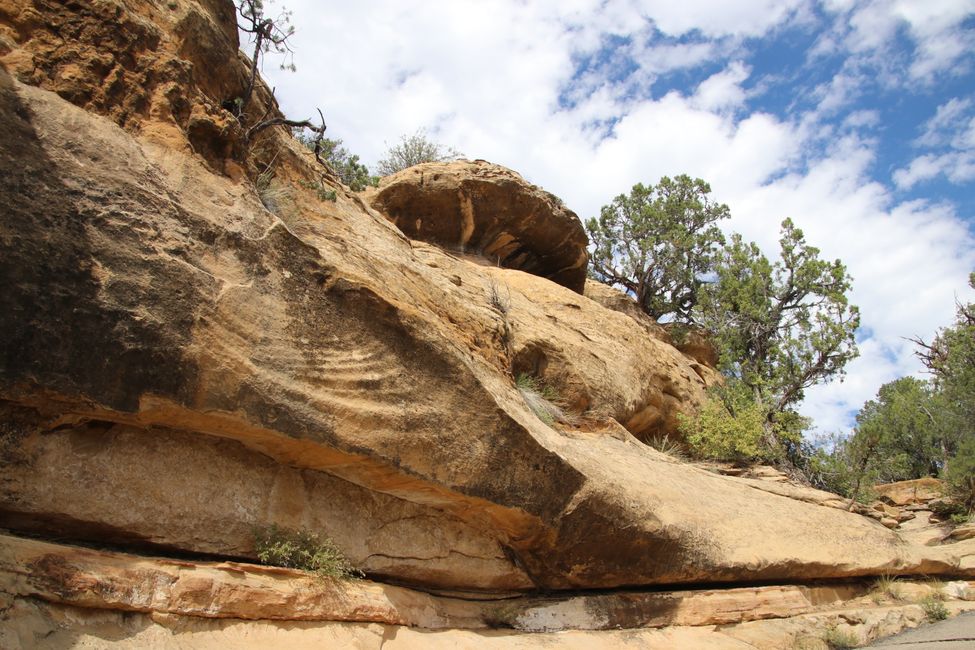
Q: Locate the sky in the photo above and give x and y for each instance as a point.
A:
(856, 119)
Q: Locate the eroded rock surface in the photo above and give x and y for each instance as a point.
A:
(490, 210)
(188, 363)
(56, 596)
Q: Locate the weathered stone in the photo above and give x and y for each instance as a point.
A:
(111, 581)
(146, 294)
(489, 210)
(965, 531)
(114, 484)
(903, 493)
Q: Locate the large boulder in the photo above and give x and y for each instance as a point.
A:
(487, 209)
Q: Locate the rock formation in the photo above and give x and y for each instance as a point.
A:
(187, 358)
(490, 210)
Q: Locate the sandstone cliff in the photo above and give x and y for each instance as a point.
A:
(186, 358)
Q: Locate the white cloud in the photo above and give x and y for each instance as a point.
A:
(871, 28)
(740, 18)
(945, 120)
(921, 168)
(723, 89)
(951, 132)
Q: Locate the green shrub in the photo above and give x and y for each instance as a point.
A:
(948, 508)
(732, 426)
(934, 609)
(960, 475)
(298, 549)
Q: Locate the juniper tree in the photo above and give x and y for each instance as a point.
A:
(657, 244)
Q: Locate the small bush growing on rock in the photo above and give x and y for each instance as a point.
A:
(413, 150)
(298, 549)
(837, 639)
(665, 445)
(733, 426)
(323, 193)
(934, 608)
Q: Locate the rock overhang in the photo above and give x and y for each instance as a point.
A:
(480, 207)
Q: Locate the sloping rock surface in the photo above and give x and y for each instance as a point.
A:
(168, 339)
(488, 209)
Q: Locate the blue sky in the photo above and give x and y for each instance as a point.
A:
(856, 118)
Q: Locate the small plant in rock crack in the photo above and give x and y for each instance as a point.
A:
(499, 297)
(542, 399)
(299, 549)
(323, 193)
(886, 585)
(666, 445)
(272, 198)
(837, 639)
(934, 608)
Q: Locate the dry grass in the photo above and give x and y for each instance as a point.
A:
(886, 585)
(666, 445)
(543, 400)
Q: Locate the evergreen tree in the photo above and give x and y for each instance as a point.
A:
(658, 243)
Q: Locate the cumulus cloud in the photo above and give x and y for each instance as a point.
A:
(723, 89)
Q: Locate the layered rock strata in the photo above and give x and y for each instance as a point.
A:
(187, 357)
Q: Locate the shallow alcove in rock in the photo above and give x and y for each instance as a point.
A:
(488, 209)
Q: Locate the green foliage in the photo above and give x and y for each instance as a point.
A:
(934, 608)
(951, 359)
(733, 426)
(297, 549)
(780, 328)
(344, 163)
(658, 243)
(915, 428)
(900, 429)
(895, 439)
(413, 150)
(323, 193)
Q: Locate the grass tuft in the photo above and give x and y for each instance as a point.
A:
(665, 445)
(543, 400)
(886, 585)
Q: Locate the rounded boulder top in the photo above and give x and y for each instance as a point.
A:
(483, 208)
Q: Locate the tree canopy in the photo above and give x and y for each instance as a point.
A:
(780, 327)
(914, 427)
(657, 243)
